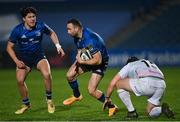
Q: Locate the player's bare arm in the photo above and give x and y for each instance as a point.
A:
(55, 40)
(107, 102)
(96, 60)
(112, 85)
(10, 50)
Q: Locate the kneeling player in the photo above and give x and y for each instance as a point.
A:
(143, 78)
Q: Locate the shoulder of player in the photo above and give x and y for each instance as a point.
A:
(40, 24)
(130, 65)
(88, 31)
(19, 26)
(88, 34)
(93, 35)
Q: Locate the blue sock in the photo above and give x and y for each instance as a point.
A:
(75, 87)
(26, 101)
(102, 98)
(48, 95)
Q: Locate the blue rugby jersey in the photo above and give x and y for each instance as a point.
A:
(29, 41)
(93, 40)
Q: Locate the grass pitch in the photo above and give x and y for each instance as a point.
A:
(89, 109)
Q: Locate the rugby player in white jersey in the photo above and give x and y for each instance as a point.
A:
(141, 77)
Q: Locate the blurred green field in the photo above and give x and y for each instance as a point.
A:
(88, 109)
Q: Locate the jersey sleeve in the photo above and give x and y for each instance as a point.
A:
(13, 36)
(47, 29)
(124, 71)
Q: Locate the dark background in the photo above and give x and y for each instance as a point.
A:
(143, 28)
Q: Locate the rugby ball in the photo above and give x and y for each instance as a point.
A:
(85, 55)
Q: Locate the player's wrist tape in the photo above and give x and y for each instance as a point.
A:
(58, 46)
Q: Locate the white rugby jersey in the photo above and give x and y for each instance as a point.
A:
(139, 69)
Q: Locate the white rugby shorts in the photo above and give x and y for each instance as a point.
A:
(148, 86)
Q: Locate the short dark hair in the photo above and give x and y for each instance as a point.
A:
(25, 10)
(132, 59)
(75, 22)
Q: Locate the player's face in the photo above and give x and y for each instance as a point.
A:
(30, 20)
(72, 30)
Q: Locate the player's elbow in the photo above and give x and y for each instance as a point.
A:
(8, 48)
(52, 34)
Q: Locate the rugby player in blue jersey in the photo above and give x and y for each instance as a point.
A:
(28, 36)
(86, 38)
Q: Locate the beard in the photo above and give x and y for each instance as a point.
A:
(75, 36)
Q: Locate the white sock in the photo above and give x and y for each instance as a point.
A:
(125, 97)
(155, 112)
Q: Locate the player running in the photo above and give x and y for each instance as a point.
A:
(86, 38)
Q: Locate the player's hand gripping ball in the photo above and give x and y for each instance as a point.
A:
(85, 55)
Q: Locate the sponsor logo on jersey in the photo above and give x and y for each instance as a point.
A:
(31, 39)
(38, 33)
(23, 36)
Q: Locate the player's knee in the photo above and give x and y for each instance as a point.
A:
(20, 82)
(119, 85)
(47, 76)
(69, 78)
(123, 84)
(154, 112)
